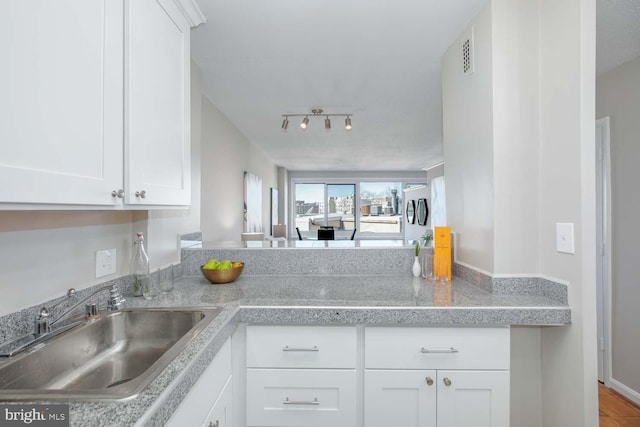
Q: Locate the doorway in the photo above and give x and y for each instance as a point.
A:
(603, 246)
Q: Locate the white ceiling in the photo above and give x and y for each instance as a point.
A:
(376, 59)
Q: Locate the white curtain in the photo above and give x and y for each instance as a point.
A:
(252, 203)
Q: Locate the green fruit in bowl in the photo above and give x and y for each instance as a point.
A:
(225, 264)
(212, 264)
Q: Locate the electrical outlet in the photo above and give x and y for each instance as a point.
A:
(105, 262)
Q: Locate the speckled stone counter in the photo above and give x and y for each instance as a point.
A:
(308, 299)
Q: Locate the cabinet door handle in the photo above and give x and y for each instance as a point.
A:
(448, 350)
(287, 348)
(142, 194)
(300, 402)
(447, 382)
(117, 193)
(216, 424)
(429, 381)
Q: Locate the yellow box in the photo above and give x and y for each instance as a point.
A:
(442, 252)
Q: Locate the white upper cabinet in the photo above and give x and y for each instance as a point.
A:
(157, 149)
(94, 105)
(61, 101)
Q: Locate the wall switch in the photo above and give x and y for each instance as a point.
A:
(105, 262)
(564, 238)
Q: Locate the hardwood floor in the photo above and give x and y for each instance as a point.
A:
(615, 410)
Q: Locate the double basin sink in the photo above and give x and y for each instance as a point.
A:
(111, 358)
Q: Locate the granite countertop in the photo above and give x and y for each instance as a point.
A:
(308, 299)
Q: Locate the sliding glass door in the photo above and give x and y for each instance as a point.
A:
(374, 208)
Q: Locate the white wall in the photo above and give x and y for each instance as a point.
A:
(516, 135)
(618, 96)
(567, 183)
(468, 146)
(532, 125)
(226, 155)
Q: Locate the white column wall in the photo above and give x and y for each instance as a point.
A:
(468, 146)
(516, 136)
(567, 188)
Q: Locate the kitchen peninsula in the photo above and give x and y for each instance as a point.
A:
(322, 295)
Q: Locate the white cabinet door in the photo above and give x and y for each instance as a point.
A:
(400, 398)
(197, 405)
(473, 399)
(157, 137)
(61, 105)
(221, 414)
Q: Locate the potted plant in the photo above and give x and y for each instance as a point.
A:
(427, 238)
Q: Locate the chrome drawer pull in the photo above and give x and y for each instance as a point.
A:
(449, 350)
(300, 402)
(287, 348)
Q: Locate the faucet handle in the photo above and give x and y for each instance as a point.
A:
(116, 301)
(42, 322)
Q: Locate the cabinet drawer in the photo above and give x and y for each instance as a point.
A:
(437, 348)
(301, 397)
(301, 347)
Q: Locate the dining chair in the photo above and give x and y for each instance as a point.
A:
(326, 234)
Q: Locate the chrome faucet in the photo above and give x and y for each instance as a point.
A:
(43, 322)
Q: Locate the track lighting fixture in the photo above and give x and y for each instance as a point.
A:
(347, 123)
(317, 112)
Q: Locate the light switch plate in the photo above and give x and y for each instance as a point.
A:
(105, 262)
(564, 238)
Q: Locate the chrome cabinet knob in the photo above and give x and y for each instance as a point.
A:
(447, 382)
(141, 194)
(429, 381)
(117, 193)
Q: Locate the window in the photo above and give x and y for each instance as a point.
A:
(374, 208)
(380, 209)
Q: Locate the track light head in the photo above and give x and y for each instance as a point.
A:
(347, 123)
(304, 123)
(285, 123)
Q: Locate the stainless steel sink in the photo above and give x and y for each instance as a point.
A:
(113, 357)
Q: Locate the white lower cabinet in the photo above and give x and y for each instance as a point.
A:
(444, 377)
(209, 402)
(302, 376)
(423, 398)
(221, 413)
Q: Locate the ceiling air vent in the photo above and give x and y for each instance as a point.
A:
(467, 54)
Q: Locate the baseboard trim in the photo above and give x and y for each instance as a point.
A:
(627, 392)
